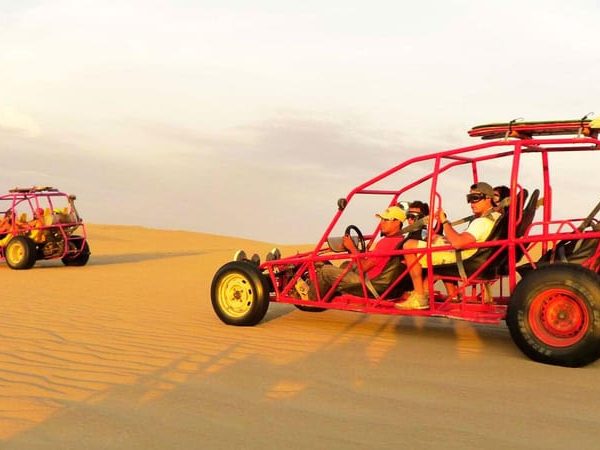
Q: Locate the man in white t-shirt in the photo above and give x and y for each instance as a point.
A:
(480, 198)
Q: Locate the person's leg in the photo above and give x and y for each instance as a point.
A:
(327, 275)
(415, 271)
(417, 298)
(442, 258)
(446, 257)
(451, 288)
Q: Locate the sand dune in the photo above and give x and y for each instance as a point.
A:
(127, 353)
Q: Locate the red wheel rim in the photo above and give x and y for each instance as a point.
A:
(558, 317)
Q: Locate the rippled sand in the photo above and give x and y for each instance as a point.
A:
(127, 353)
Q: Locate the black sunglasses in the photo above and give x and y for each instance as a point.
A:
(414, 216)
(474, 198)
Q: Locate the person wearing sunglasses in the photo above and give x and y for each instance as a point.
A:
(501, 195)
(480, 199)
(416, 211)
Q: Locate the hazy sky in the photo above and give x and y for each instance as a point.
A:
(250, 118)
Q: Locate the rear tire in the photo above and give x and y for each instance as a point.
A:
(82, 258)
(240, 294)
(20, 253)
(554, 315)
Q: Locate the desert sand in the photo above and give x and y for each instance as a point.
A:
(126, 353)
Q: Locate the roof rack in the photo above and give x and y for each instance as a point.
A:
(34, 189)
(526, 130)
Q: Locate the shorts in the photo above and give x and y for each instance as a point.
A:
(437, 258)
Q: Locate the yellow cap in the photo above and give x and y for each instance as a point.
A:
(393, 212)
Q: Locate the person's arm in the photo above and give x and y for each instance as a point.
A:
(456, 239)
(365, 263)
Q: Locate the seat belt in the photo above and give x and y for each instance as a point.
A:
(371, 288)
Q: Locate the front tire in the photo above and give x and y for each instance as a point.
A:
(554, 315)
(20, 253)
(240, 294)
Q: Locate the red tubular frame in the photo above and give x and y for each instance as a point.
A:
(31, 198)
(284, 273)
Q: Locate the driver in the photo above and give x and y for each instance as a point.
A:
(374, 268)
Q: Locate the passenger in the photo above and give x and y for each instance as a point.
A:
(416, 211)
(500, 194)
(38, 217)
(480, 198)
(371, 266)
(37, 233)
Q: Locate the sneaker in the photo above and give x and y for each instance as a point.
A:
(414, 301)
(302, 289)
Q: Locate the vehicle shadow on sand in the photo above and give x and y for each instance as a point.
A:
(277, 310)
(124, 258)
(107, 260)
(427, 327)
(104, 260)
(467, 339)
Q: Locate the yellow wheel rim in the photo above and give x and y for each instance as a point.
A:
(16, 253)
(235, 295)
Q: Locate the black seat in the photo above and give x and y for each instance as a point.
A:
(574, 251)
(528, 213)
(525, 222)
(390, 274)
(483, 254)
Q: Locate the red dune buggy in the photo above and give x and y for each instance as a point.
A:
(538, 270)
(41, 222)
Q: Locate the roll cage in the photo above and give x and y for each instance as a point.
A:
(520, 242)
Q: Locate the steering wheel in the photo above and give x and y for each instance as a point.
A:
(361, 245)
